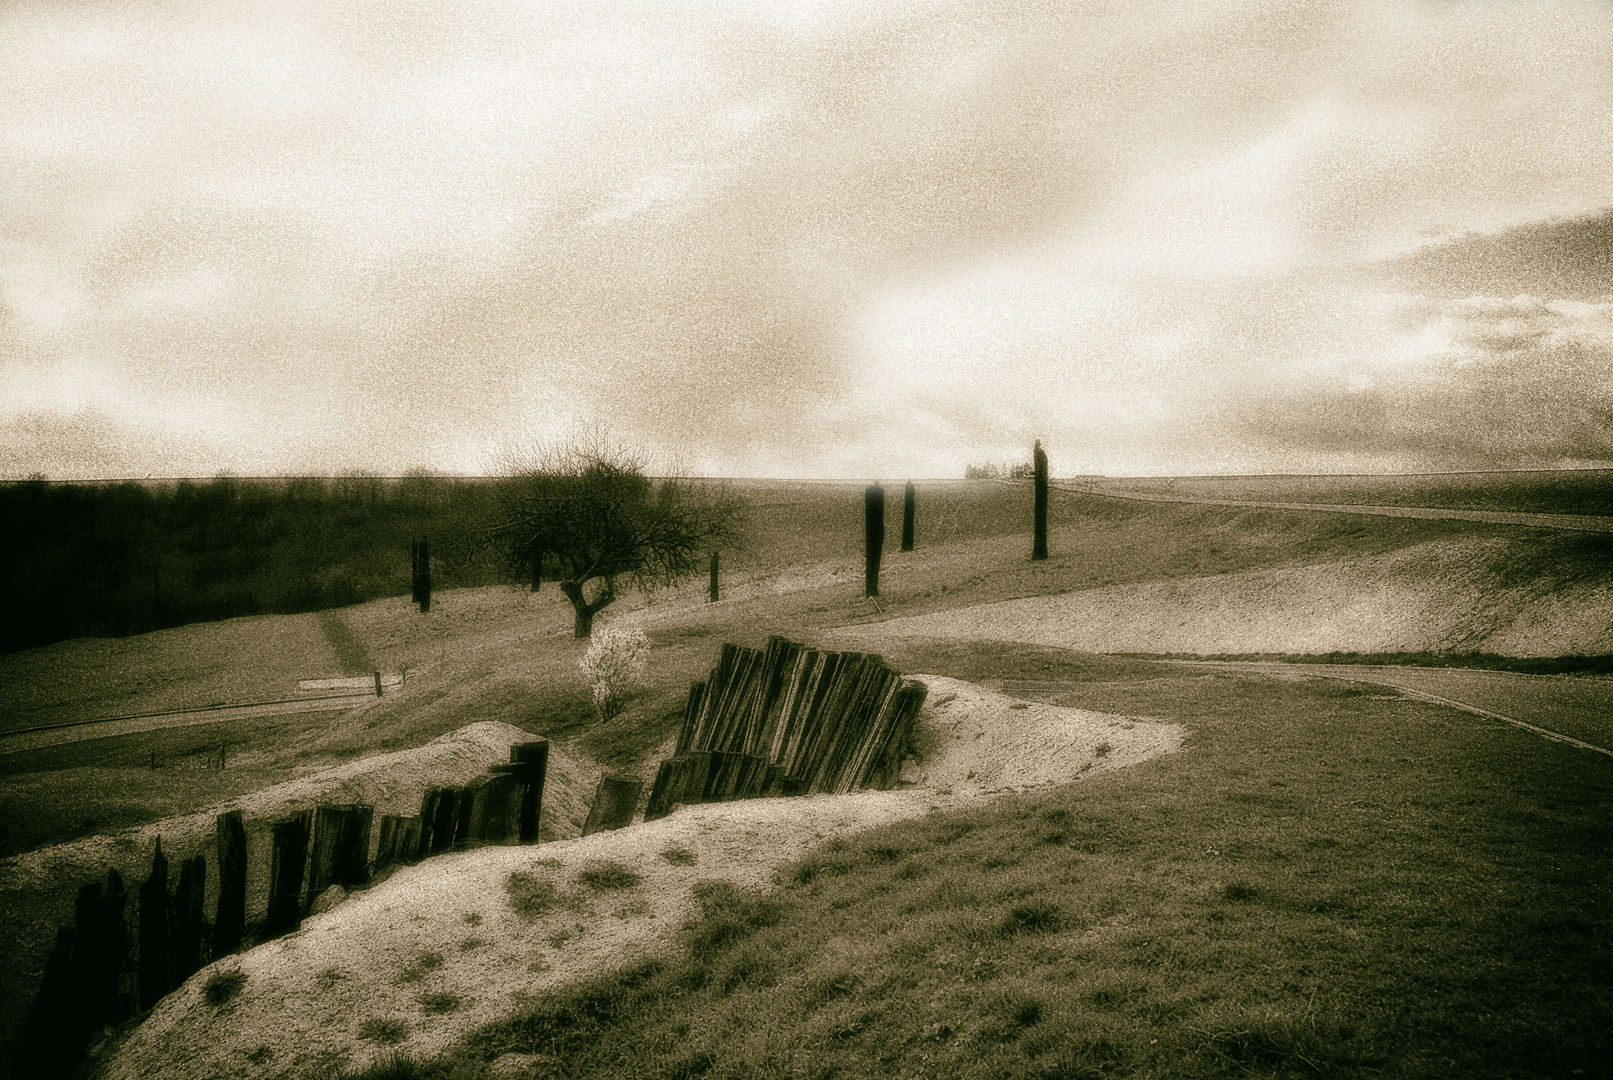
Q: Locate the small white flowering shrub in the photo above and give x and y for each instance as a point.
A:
(614, 664)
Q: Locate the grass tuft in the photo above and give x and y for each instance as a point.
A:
(388, 1032)
(530, 896)
(439, 1003)
(679, 856)
(224, 987)
(1034, 917)
(604, 874)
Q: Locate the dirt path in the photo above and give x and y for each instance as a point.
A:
(1571, 522)
(1567, 709)
(83, 730)
(438, 949)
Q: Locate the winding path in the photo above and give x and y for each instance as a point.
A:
(1569, 522)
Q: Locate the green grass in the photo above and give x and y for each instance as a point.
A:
(1321, 884)
(604, 874)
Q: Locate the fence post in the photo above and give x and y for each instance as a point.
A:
(428, 816)
(907, 517)
(188, 924)
(1039, 542)
(53, 1036)
(445, 820)
(230, 924)
(425, 575)
(288, 860)
(614, 803)
(714, 592)
(535, 756)
(874, 534)
(414, 571)
(153, 979)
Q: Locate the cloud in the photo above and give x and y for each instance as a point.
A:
(801, 239)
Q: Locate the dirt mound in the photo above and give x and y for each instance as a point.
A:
(1446, 594)
(440, 948)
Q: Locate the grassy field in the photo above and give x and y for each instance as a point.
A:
(1573, 491)
(1324, 882)
(1145, 934)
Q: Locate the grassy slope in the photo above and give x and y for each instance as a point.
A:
(1322, 883)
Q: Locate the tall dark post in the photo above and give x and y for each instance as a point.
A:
(713, 577)
(187, 924)
(153, 979)
(230, 924)
(1039, 544)
(907, 517)
(288, 859)
(414, 571)
(874, 533)
(425, 575)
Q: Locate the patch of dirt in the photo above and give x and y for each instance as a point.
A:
(1434, 596)
(445, 930)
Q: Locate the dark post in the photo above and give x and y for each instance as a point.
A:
(614, 803)
(187, 923)
(444, 820)
(230, 924)
(288, 859)
(537, 567)
(53, 1035)
(907, 517)
(414, 571)
(1039, 543)
(534, 755)
(153, 979)
(428, 815)
(874, 533)
(713, 577)
(377, 684)
(425, 575)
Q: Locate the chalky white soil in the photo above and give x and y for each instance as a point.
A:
(1439, 595)
(445, 931)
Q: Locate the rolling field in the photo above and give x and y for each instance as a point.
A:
(1441, 825)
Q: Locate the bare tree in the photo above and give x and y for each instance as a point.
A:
(590, 507)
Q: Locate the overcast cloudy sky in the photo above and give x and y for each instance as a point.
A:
(805, 239)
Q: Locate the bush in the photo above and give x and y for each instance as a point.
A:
(614, 664)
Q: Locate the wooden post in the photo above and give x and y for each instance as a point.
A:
(386, 848)
(229, 926)
(377, 684)
(53, 1034)
(874, 534)
(614, 802)
(714, 592)
(428, 815)
(187, 926)
(102, 939)
(444, 820)
(341, 848)
(287, 861)
(425, 575)
(534, 755)
(472, 812)
(907, 517)
(414, 571)
(501, 820)
(1039, 542)
(153, 978)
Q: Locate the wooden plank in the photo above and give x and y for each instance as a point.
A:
(229, 924)
(187, 931)
(660, 803)
(52, 1038)
(288, 859)
(409, 841)
(153, 980)
(535, 755)
(615, 800)
(428, 814)
(443, 821)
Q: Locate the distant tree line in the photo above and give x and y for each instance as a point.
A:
(123, 558)
(992, 470)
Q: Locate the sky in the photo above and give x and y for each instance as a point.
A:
(856, 240)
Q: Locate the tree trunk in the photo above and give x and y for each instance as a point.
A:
(584, 625)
